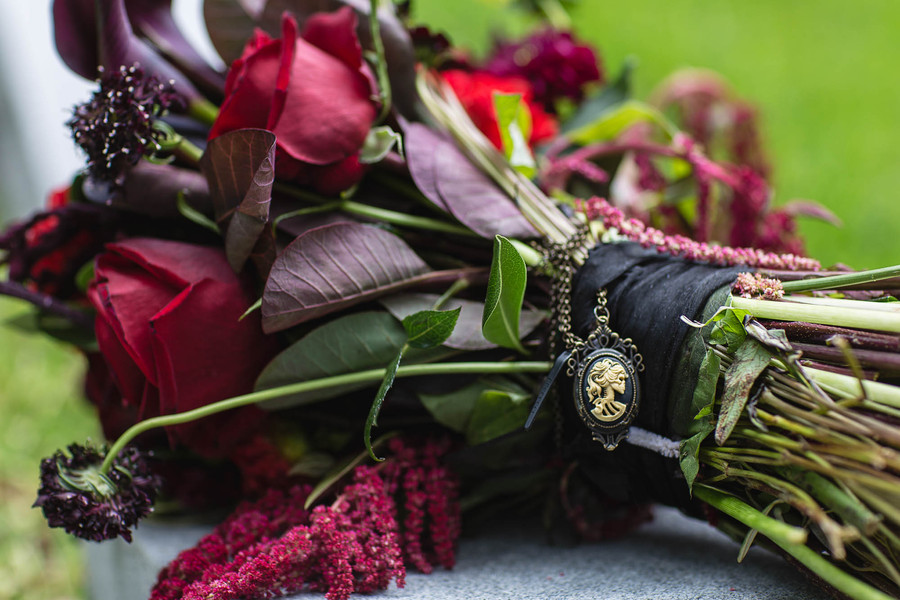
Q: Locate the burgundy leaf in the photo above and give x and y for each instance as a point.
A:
(420, 143)
(230, 24)
(240, 168)
(474, 199)
(398, 45)
(153, 20)
(467, 333)
(811, 209)
(152, 190)
(333, 267)
(84, 47)
(447, 178)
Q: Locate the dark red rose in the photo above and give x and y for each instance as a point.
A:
(168, 328)
(476, 92)
(312, 90)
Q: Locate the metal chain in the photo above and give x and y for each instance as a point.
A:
(561, 268)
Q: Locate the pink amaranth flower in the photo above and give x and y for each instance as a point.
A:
(754, 285)
(552, 61)
(684, 247)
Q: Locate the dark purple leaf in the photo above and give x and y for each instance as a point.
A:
(333, 267)
(230, 24)
(467, 333)
(240, 169)
(446, 177)
(474, 199)
(420, 143)
(153, 20)
(812, 209)
(152, 190)
(398, 45)
(84, 47)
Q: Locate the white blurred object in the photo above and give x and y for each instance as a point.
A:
(37, 92)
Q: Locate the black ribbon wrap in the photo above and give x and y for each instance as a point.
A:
(647, 293)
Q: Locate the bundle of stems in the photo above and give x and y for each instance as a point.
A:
(799, 391)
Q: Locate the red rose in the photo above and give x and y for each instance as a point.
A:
(168, 327)
(313, 91)
(475, 91)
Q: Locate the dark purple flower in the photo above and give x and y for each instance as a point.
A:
(552, 62)
(116, 127)
(96, 506)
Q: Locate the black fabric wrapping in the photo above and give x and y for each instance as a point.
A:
(647, 293)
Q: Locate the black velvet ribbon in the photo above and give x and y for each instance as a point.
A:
(647, 293)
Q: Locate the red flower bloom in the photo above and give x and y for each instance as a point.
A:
(313, 90)
(167, 326)
(552, 61)
(476, 92)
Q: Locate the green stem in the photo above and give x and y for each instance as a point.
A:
(402, 219)
(532, 257)
(790, 539)
(369, 376)
(875, 391)
(204, 111)
(188, 151)
(384, 81)
(556, 14)
(458, 286)
(837, 281)
(372, 212)
(824, 315)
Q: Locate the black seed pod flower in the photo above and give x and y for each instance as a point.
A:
(76, 496)
(116, 127)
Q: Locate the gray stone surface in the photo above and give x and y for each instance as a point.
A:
(672, 558)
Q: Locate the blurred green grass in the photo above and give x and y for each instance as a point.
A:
(821, 72)
(40, 410)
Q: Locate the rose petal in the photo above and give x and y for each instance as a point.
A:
(283, 79)
(176, 262)
(328, 111)
(249, 91)
(335, 33)
(205, 354)
(128, 296)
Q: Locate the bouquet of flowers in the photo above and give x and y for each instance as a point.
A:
(362, 286)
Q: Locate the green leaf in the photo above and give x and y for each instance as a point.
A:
(191, 214)
(372, 419)
(705, 389)
(505, 293)
(354, 342)
(379, 141)
(750, 359)
(690, 453)
(514, 121)
(597, 105)
(455, 408)
(467, 333)
(617, 120)
(430, 328)
(497, 412)
(85, 275)
(729, 329)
